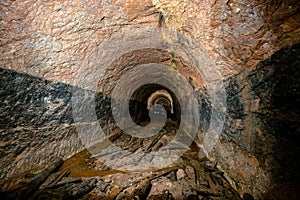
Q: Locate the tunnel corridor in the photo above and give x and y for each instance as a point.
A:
(149, 95)
(154, 99)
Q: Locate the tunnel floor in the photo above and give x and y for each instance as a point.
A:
(189, 178)
(83, 176)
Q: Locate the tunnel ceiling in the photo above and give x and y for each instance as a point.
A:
(236, 35)
(168, 58)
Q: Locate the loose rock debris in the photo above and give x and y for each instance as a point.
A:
(84, 177)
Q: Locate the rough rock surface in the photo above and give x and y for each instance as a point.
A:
(82, 176)
(37, 119)
(48, 39)
(237, 34)
(44, 46)
(260, 138)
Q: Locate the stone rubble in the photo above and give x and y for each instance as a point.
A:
(83, 177)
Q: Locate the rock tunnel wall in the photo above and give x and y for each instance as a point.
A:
(40, 123)
(46, 45)
(260, 138)
(37, 119)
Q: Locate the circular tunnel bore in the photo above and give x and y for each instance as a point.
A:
(143, 103)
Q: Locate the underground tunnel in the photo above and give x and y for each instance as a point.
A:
(162, 99)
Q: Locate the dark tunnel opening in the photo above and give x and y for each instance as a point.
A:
(140, 111)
